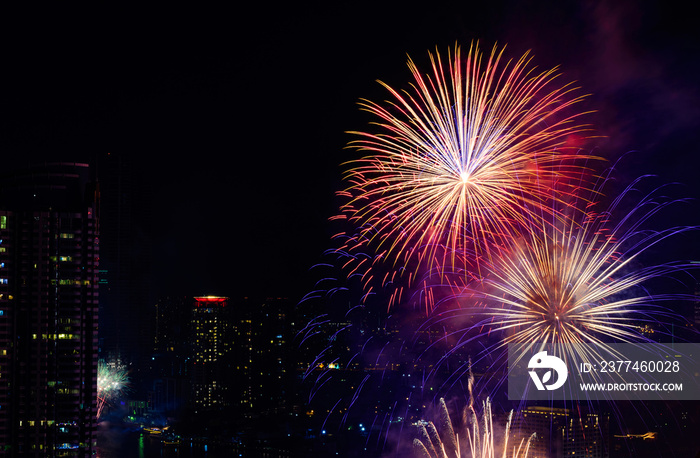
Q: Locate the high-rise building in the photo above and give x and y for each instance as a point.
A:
(210, 342)
(171, 336)
(547, 424)
(48, 311)
(561, 432)
(125, 252)
(264, 368)
(171, 352)
(586, 435)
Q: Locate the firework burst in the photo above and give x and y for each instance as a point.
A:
(112, 382)
(581, 283)
(461, 161)
(468, 204)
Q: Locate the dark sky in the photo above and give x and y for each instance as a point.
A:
(235, 119)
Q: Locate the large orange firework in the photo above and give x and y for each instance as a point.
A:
(462, 159)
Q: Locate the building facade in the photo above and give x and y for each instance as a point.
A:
(48, 311)
(210, 342)
(562, 432)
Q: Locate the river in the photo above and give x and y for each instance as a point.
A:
(123, 441)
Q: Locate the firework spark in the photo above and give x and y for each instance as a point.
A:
(112, 382)
(462, 160)
(580, 284)
(469, 197)
(481, 440)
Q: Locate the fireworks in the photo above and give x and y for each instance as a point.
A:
(469, 203)
(462, 160)
(585, 282)
(579, 284)
(481, 439)
(112, 382)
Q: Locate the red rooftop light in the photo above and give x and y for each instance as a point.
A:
(209, 299)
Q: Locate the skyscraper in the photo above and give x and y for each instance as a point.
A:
(125, 275)
(562, 432)
(48, 311)
(263, 334)
(171, 352)
(210, 345)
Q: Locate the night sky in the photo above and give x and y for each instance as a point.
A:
(235, 120)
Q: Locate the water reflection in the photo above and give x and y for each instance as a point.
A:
(116, 440)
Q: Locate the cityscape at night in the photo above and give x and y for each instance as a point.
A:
(453, 230)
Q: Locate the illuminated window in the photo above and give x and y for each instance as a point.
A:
(3, 222)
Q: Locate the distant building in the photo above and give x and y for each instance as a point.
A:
(48, 311)
(210, 344)
(263, 367)
(125, 270)
(170, 352)
(561, 432)
(170, 344)
(546, 423)
(586, 435)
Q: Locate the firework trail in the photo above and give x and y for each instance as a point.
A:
(481, 439)
(112, 382)
(460, 162)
